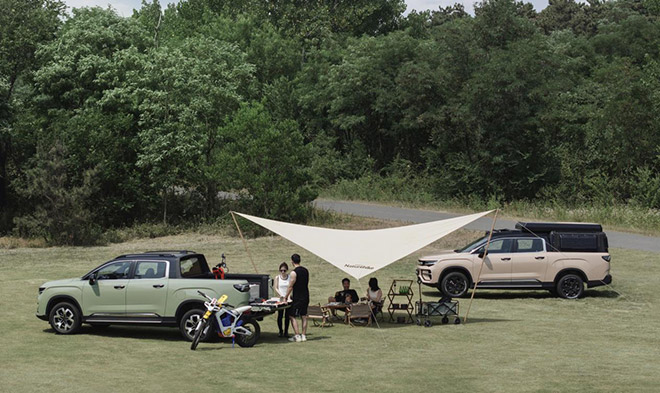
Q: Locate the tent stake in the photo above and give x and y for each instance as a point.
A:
(490, 235)
(244, 242)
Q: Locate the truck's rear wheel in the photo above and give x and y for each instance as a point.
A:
(188, 324)
(570, 286)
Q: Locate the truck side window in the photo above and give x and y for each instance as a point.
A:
(150, 269)
(529, 245)
(114, 271)
(191, 267)
(500, 246)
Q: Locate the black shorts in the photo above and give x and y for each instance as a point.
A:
(298, 308)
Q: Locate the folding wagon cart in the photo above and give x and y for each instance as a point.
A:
(443, 308)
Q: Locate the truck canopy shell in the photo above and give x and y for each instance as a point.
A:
(579, 242)
(536, 227)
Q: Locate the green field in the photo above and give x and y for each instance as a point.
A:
(514, 341)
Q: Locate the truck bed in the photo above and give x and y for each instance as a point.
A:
(261, 280)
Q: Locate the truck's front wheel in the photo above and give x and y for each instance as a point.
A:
(189, 323)
(65, 318)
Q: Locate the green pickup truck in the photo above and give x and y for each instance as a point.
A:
(153, 288)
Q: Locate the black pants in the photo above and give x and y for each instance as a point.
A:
(282, 314)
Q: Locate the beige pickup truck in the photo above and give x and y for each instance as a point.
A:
(560, 257)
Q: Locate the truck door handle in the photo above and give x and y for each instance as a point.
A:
(120, 286)
(159, 285)
(539, 257)
(506, 259)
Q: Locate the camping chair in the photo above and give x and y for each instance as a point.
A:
(318, 312)
(360, 311)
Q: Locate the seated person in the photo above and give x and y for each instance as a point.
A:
(340, 296)
(375, 296)
(348, 301)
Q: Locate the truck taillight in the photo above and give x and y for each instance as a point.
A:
(607, 258)
(242, 287)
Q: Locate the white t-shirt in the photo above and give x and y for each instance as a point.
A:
(372, 294)
(283, 284)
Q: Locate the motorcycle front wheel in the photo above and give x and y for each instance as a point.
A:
(199, 332)
(249, 341)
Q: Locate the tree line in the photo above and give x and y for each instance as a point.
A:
(182, 112)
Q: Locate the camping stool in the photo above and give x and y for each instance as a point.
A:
(319, 312)
(360, 311)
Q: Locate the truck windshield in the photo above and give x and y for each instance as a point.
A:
(472, 245)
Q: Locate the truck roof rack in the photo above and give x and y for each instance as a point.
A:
(161, 253)
(536, 227)
(171, 252)
(496, 231)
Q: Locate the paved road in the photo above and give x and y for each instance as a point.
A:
(616, 239)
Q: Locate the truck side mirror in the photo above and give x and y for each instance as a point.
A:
(482, 254)
(92, 279)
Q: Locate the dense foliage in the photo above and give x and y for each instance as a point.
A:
(186, 112)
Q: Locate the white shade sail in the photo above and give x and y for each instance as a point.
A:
(360, 253)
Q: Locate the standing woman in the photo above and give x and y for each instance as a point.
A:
(281, 285)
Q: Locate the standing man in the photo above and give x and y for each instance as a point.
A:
(298, 283)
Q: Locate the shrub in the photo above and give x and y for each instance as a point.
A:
(60, 213)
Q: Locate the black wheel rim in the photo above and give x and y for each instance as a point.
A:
(252, 338)
(571, 287)
(455, 286)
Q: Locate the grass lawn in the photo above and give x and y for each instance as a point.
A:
(514, 341)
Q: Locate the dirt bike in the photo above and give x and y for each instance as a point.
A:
(234, 322)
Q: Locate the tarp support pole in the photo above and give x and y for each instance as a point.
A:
(244, 242)
(374, 314)
(490, 235)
